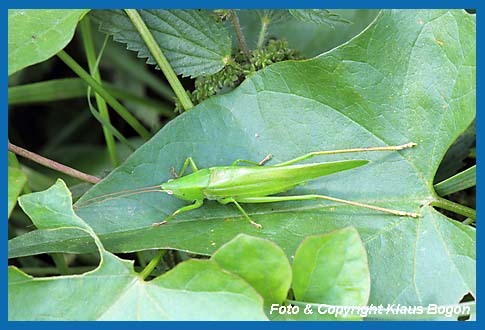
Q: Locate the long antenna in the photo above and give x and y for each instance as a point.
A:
(119, 194)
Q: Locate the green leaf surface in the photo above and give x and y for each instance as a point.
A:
(114, 291)
(409, 77)
(332, 269)
(260, 262)
(16, 182)
(193, 42)
(318, 16)
(35, 35)
(51, 208)
(194, 290)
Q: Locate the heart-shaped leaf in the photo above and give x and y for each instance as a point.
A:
(332, 269)
(410, 76)
(261, 263)
(34, 35)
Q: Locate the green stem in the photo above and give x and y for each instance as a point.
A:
(61, 263)
(454, 207)
(160, 58)
(86, 35)
(240, 35)
(262, 32)
(141, 259)
(152, 264)
(117, 106)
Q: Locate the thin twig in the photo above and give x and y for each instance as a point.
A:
(239, 34)
(52, 164)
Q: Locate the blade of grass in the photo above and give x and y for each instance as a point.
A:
(457, 182)
(86, 35)
(47, 91)
(107, 124)
(137, 70)
(70, 88)
(160, 58)
(117, 106)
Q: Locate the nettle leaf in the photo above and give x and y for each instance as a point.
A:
(318, 16)
(35, 35)
(193, 42)
(114, 291)
(409, 77)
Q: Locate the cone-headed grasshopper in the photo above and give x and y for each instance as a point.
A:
(256, 184)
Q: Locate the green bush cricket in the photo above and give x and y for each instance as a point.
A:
(256, 184)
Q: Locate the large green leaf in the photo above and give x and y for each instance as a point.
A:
(409, 77)
(194, 290)
(193, 42)
(34, 35)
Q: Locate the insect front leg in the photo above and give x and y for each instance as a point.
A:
(343, 151)
(232, 200)
(272, 199)
(186, 208)
(188, 161)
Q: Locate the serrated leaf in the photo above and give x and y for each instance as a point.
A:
(407, 74)
(35, 35)
(318, 16)
(260, 262)
(16, 182)
(193, 42)
(113, 291)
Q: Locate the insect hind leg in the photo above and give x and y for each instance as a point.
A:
(261, 163)
(343, 151)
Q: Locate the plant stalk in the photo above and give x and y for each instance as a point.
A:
(52, 164)
(103, 109)
(240, 35)
(262, 32)
(160, 58)
(152, 264)
(117, 106)
(454, 207)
